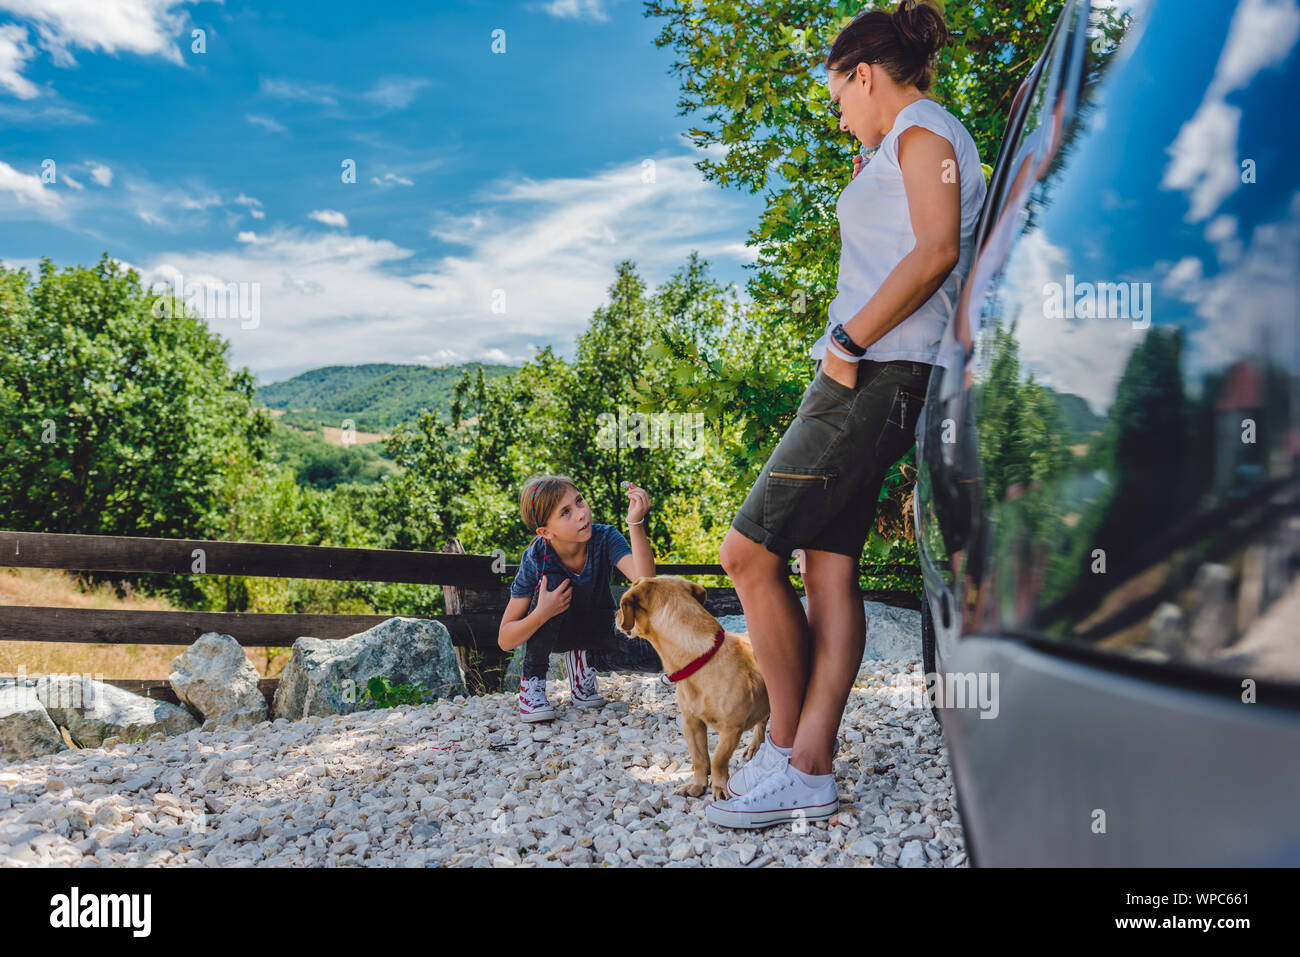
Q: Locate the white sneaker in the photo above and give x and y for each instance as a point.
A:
(582, 680)
(767, 759)
(779, 797)
(533, 705)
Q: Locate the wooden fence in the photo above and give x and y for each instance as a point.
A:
(474, 595)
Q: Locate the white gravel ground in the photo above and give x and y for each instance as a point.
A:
(464, 782)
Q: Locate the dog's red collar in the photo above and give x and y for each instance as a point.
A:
(699, 662)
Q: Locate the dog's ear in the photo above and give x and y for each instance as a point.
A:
(629, 607)
(698, 591)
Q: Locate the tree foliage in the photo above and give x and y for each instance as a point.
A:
(114, 420)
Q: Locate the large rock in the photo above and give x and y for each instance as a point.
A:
(327, 677)
(214, 677)
(94, 712)
(892, 632)
(26, 730)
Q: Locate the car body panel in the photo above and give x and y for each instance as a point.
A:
(1108, 495)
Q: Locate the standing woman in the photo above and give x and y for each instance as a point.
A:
(906, 221)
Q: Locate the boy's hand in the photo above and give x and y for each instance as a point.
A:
(552, 603)
(638, 503)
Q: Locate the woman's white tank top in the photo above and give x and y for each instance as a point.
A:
(876, 233)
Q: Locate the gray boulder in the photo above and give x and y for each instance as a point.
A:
(734, 624)
(214, 677)
(326, 677)
(26, 730)
(95, 712)
(892, 632)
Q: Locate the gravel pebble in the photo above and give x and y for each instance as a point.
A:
(464, 783)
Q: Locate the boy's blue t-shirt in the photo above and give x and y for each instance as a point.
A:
(605, 549)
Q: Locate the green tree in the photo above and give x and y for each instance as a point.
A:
(758, 86)
(116, 417)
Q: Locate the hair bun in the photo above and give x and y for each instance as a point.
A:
(920, 28)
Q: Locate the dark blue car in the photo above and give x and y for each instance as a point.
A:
(1107, 502)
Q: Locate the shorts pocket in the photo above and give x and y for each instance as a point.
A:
(832, 386)
(798, 499)
(898, 434)
(826, 406)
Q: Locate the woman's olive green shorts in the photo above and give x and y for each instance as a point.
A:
(819, 487)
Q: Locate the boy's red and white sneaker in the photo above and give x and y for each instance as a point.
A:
(582, 680)
(533, 705)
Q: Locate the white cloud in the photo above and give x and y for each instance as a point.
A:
(576, 9)
(266, 122)
(33, 266)
(171, 206)
(1247, 308)
(100, 173)
(330, 217)
(1184, 272)
(15, 51)
(1204, 161)
(551, 247)
(146, 27)
(41, 114)
(1221, 228)
(1085, 357)
(392, 179)
(72, 182)
(298, 91)
(27, 188)
(395, 92)
(254, 205)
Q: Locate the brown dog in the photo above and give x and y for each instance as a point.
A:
(726, 693)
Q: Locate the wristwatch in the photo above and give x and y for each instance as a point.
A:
(845, 341)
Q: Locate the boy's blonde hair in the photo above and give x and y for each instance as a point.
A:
(539, 497)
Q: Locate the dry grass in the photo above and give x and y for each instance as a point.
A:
(52, 588)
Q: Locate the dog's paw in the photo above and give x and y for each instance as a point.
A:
(691, 789)
(720, 792)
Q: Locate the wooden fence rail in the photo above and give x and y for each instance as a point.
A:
(474, 592)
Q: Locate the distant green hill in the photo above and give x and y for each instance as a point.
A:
(376, 396)
(1080, 422)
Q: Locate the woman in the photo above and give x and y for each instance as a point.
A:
(906, 222)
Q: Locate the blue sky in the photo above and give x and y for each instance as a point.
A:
(494, 191)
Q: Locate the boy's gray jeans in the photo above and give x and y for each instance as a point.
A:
(592, 630)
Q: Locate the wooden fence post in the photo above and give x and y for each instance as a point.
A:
(485, 664)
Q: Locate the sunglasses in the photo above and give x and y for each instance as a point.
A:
(833, 106)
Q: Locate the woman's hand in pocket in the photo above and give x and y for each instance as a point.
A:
(841, 370)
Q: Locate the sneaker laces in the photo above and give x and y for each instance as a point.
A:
(767, 786)
(533, 692)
